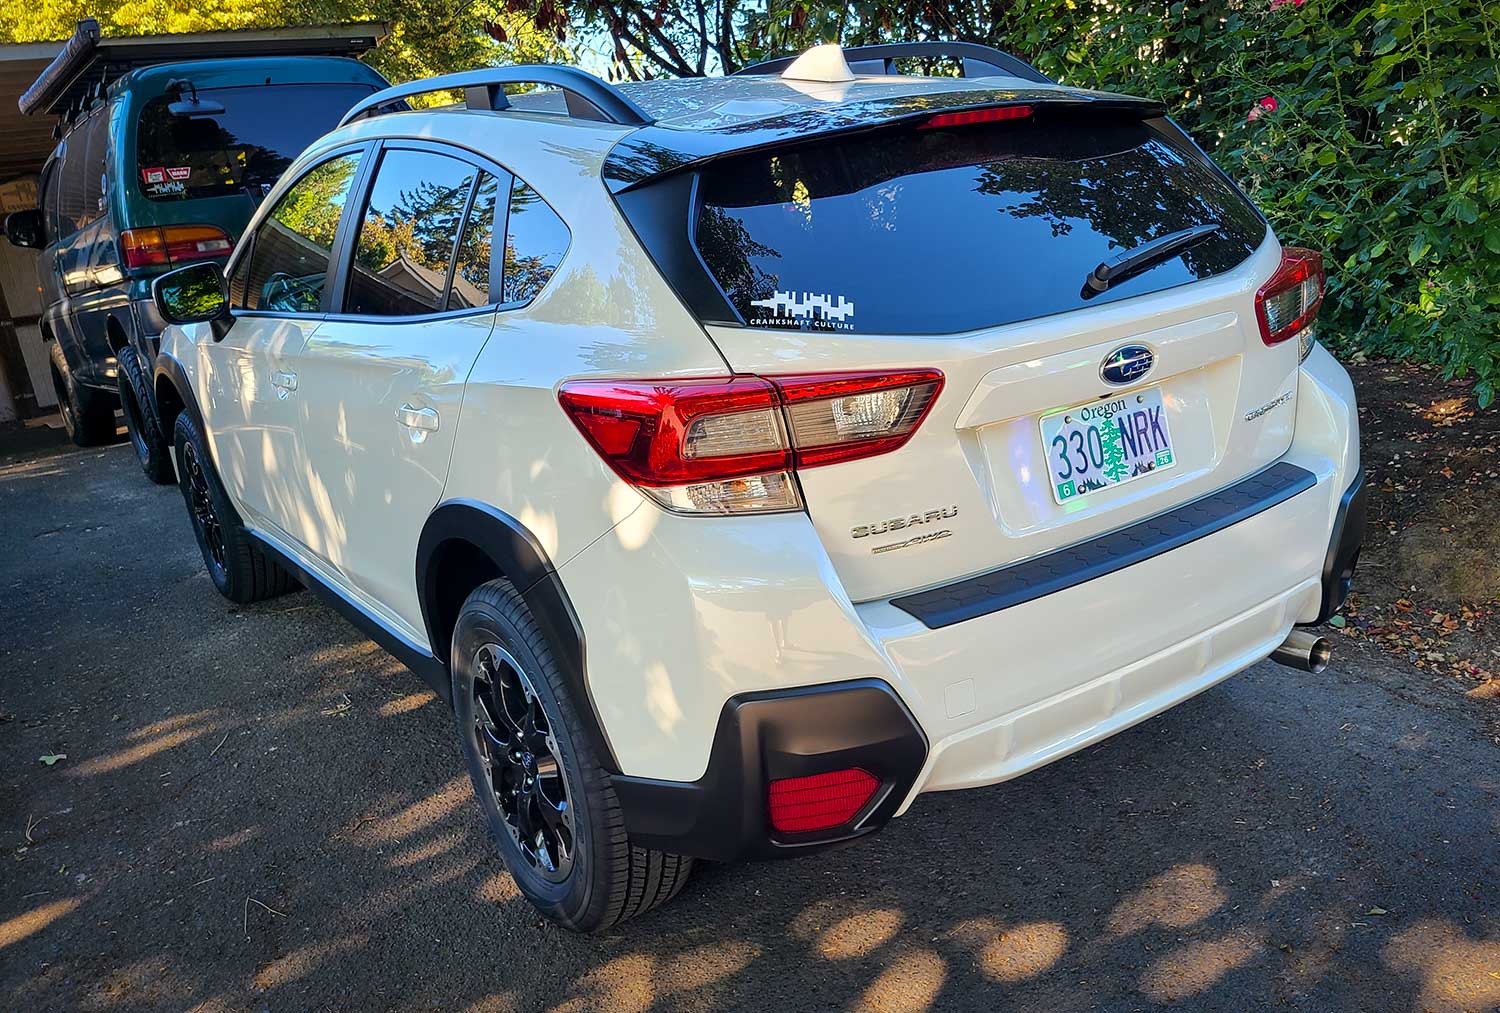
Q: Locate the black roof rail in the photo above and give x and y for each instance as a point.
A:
(588, 97)
(977, 60)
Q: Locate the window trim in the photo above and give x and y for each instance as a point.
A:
(246, 246)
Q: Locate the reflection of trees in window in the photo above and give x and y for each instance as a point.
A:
(471, 279)
(727, 247)
(535, 242)
(311, 208)
(289, 261)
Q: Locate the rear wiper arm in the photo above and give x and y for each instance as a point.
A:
(1143, 256)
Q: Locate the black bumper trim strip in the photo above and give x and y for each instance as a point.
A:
(1064, 568)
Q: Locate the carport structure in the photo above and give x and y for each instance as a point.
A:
(27, 141)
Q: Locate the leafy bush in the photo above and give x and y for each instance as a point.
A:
(1367, 131)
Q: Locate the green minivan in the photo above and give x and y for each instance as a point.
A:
(157, 168)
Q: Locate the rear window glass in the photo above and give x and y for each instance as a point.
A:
(946, 230)
(245, 147)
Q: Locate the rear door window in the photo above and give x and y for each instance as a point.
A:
(948, 230)
(471, 274)
(290, 251)
(235, 139)
(408, 233)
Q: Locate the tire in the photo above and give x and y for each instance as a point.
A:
(141, 423)
(88, 414)
(240, 570)
(584, 874)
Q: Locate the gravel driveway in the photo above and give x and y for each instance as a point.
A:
(258, 809)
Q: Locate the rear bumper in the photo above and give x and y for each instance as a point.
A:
(699, 659)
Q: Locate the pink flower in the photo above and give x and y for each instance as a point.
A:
(1282, 3)
(1263, 105)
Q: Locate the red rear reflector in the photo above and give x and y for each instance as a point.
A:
(1289, 302)
(173, 244)
(820, 801)
(968, 117)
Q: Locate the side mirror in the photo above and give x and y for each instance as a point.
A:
(26, 228)
(192, 295)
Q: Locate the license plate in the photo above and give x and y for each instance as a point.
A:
(1106, 443)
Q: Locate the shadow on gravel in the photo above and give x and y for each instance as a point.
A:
(259, 810)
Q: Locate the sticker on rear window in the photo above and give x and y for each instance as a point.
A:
(179, 172)
(155, 174)
(812, 310)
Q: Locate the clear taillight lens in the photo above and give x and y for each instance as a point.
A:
(731, 445)
(1287, 305)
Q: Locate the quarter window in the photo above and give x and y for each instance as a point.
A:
(289, 259)
(408, 233)
(535, 242)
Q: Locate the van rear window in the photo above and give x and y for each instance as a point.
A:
(247, 146)
(946, 230)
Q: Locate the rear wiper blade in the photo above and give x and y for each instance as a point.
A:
(1143, 256)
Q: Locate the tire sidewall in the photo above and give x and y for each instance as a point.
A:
(480, 623)
(146, 437)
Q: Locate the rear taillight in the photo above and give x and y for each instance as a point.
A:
(969, 117)
(730, 445)
(173, 244)
(1288, 304)
(820, 801)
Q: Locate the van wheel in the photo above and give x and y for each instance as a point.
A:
(237, 566)
(543, 795)
(88, 414)
(140, 420)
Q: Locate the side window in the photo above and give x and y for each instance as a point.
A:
(93, 165)
(535, 241)
(48, 199)
(289, 261)
(70, 183)
(408, 233)
(471, 277)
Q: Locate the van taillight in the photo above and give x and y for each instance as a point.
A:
(731, 444)
(170, 245)
(1288, 304)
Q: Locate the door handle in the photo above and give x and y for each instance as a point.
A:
(422, 419)
(284, 382)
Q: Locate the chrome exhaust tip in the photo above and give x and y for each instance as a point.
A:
(1306, 652)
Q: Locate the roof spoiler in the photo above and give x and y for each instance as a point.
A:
(644, 155)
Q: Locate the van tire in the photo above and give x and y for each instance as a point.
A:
(240, 570)
(608, 879)
(88, 415)
(139, 408)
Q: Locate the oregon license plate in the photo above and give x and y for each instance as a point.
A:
(1106, 443)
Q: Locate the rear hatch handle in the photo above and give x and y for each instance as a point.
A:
(1124, 264)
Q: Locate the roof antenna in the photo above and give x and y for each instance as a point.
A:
(823, 63)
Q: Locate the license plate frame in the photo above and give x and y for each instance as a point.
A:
(1144, 412)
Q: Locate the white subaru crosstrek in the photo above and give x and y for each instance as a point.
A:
(743, 457)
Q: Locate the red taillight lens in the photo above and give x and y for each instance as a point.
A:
(820, 801)
(173, 244)
(968, 117)
(729, 445)
(1289, 303)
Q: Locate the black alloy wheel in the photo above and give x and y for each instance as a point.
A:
(519, 757)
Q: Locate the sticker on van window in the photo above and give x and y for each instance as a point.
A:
(155, 174)
(167, 189)
(180, 172)
(813, 310)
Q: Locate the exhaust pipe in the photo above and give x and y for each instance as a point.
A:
(1306, 652)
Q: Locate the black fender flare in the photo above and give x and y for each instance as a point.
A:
(169, 372)
(462, 526)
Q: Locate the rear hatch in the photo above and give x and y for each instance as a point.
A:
(965, 242)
